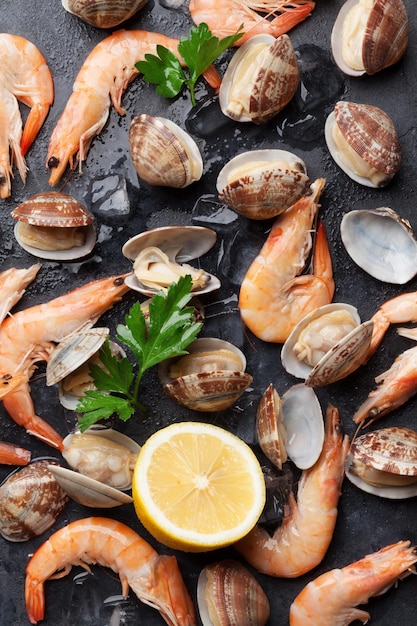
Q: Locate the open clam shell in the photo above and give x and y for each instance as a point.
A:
(260, 80)
(327, 345)
(384, 462)
(381, 243)
(261, 184)
(270, 427)
(210, 378)
(163, 153)
(369, 36)
(304, 424)
(165, 253)
(363, 141)
(53, 225)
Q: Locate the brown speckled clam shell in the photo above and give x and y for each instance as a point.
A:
(53, 208)
(392, 449)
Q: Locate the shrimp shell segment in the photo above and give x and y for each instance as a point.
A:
(103, 13)
(163, 153)
(261, 184)
(369, 35)
(260, 80)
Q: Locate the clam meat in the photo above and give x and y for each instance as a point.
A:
(54, 225)
(327, 345)
(384, 462)
(160, 257)
(103, 13)
(260, 80)
(261, 184)
(369, 35)
(381, 243)
(270, 427)
(229, 595)
(163, 153)
(210, 378)
(363, 141)
(31, 500)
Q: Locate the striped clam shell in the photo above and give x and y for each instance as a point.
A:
(103, 13)
(53, 208)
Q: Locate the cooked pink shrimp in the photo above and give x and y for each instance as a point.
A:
(29, 335)
(224, 17)
(102, 80)
(13, 455)
(13, 283)
(273, 296)
(155, 579)
(395, 386)
(330, 599)
(301, 542)
(24, 75)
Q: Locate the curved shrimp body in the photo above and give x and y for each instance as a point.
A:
(225, 17)
(102, 80)
(29, 336)
(10, 137)
(395, 387)
(13, 455)
(25, 75)
(155, 579)
(302, 540)
(330, 599)
(13, 283)
(273, 297)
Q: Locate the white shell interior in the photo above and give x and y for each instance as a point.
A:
(398, 492)
(380, 245)
(61, 255)
(336, 40)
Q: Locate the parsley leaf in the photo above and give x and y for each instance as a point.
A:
(169, 331)
(198, 53)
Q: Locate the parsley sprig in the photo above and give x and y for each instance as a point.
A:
(198, 53)
(167, 332)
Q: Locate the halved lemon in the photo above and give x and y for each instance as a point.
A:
(196, 487)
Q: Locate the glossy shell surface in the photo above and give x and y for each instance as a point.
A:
(270, 427)
(367, 147)
(180, 244)
(381, 243)
(103, 13)
(340, 345)
(163, 153)
(304, 424)
(260, 80)
(214, 377)
(260, 184)
(31, 500)
(229, 595)
(369, 35)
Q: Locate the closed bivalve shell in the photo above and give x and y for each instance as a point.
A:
(369, 36)
(381, 243)
(103, 13)
(260, 80)
(163, 153)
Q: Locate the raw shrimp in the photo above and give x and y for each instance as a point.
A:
(25, 75)
(155, 579)
(330, 599)
(13, 455)
(29, 335)
(398, 310)
(224, 17)
(273, 296)
(13, 283)
(301, 542)
(102, 80)
(395, 386)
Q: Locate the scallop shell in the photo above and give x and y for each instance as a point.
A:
(163, 153)
(180, 244)
(370, 136)
(103, 13)
(261, 184)
(229, 595)
(31, 501)
(381, 243)
(270, 428)
(213, 387)
(260, 80)
(304, 424)
(380, 43)
(384, 462)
